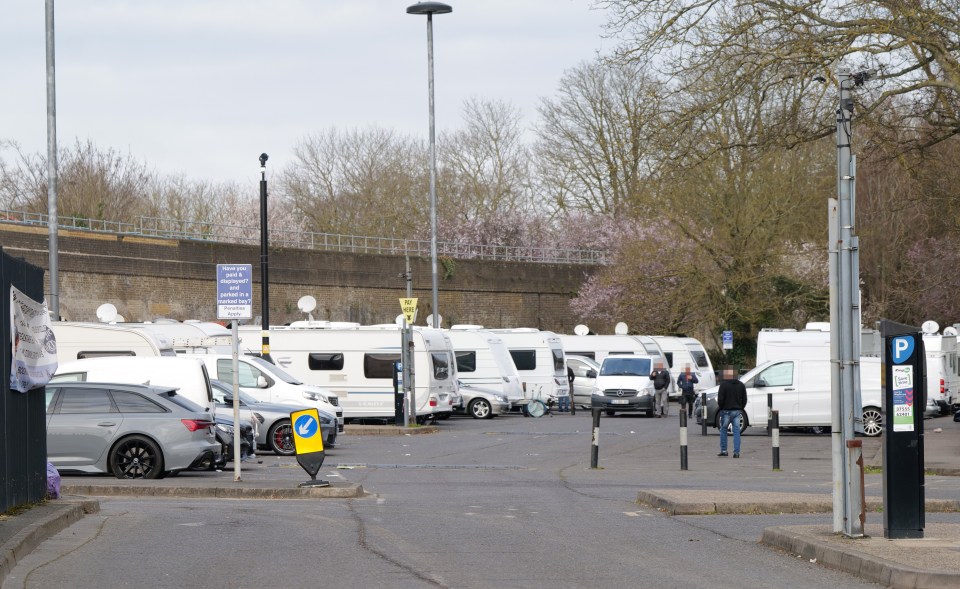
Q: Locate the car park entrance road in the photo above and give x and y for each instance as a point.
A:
(509, 502)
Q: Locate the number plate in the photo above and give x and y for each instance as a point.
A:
(620, 402)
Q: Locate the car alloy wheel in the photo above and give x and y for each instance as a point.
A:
(136, 457)
(280, 438)
(872, 422)
(480, 409)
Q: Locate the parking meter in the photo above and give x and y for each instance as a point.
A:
(398, 393)
(904, 392)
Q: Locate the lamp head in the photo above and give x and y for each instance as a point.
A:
(429, 8)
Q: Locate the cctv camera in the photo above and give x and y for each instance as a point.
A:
(263, 159)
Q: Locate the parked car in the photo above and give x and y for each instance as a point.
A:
(131, 431)
(273, 419)
(623, 384)
(481, 402)
(585, 371)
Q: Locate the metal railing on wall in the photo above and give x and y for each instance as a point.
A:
(301, 239)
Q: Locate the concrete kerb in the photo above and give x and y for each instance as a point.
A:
(31, 535)
(334, 491)
(690, 502)
(388, 430)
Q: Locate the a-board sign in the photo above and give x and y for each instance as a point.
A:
(308, 443)
(234, 291)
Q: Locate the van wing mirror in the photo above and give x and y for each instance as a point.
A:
(262, 382)
(591, 373)
(759, 383)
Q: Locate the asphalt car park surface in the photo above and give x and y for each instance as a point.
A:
(509, 502)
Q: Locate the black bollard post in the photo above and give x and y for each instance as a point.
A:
(595, 447)
(683, 440)
(775, 434)
(703, 413)
(769, 413)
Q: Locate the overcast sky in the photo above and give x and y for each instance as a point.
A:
(202, 87)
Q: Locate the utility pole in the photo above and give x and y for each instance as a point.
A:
(264, 265)
(845, 329)
(53, 221)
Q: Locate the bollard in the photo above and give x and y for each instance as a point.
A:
(775, 435)
(595, 447)
(683, 440)
(703, 412)
(769, 413)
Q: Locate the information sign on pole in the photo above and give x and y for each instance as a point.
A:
(727, 340)
(308, 443)
(234, 291)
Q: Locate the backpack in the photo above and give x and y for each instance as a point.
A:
(661, 380)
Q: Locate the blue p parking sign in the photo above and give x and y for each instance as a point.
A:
(902, 348)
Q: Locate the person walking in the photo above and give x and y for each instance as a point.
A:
(685, 381)
(660, 377)
(731, 400)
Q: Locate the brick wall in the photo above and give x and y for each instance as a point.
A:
(148, 278)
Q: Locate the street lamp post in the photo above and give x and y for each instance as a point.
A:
(429, 9)
(264, 265)
(52, 166)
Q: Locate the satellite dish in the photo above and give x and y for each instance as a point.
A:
(400, 320)
(430, 320)
(621, 329)
(930, 327)
(106, 313)
(307, 304)
(581, 329)
(119, 319)
(950, 331)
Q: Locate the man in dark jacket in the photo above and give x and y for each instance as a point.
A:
(731, 400)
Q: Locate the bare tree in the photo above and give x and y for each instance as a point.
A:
(784, 45)
(596, 144)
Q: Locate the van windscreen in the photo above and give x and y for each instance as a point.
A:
(625, 366)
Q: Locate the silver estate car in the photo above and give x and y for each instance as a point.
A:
(273, 419)
(131, 431)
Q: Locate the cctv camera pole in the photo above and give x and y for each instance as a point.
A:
(845, 322)
(264, 264)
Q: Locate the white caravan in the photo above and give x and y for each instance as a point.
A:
(358, 364)
(599, 347)
(268, 383)
(682, 352)
(483, 360)
(538, 357)
(942, 369)
(188, 337)
(77, 340)
(187, 375)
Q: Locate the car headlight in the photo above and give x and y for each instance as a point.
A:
(500, 399)
(311, 395)
(227, 429)
(326, 420)
(598, 391)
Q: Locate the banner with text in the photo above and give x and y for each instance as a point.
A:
(34, 345)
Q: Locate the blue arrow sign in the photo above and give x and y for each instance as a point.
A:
(306, 426)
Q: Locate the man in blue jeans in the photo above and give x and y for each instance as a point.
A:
(731, 400)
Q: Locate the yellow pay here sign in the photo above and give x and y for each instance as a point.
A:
(307, 437)
(409, 308)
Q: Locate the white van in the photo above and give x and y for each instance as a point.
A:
(943, 381)
(358, 364)
(802, 394)
(187, 375)
(598, 347)
(483, 360)
(538, 357)
(77, 340)
(268, 383)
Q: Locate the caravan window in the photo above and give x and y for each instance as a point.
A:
(379, 365)
(669, 356)
(524, 359)
(248, 374)
(325, 361)
(558, 363)
(700, 358)
(591, 355)
(466, 361)
(441, 365)
(104, 353)
(651, 348)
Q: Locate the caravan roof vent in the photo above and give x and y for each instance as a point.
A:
(818, 326)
